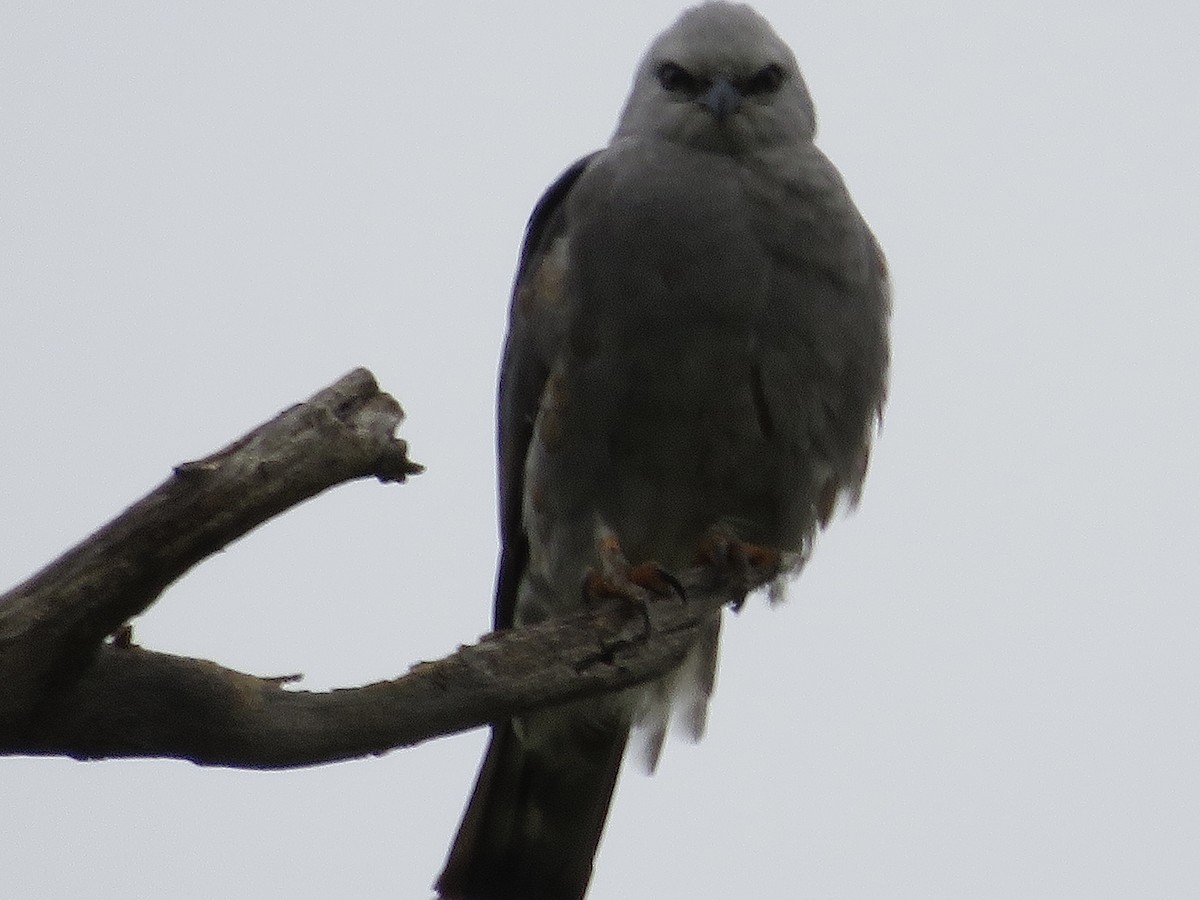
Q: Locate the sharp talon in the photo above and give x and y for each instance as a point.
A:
(676, 585)
(596, 587)
(616, 578)
(672, 584)
(740, 562)
(655, 579)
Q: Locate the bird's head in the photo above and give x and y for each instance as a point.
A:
(719, 79)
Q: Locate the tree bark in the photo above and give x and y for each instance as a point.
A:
(73, 684)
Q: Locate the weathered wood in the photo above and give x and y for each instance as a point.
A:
(132, 702)
(52, 624)
(72, 683)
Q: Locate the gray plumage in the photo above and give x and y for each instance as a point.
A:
(698, 338)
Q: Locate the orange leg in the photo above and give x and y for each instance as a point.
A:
(616, 578)
(736, 559)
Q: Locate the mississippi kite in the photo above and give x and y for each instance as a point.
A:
(697, 341)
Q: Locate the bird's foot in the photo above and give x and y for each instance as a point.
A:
(616, 578)
(742, 564)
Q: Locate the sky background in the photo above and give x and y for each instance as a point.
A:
(987, 681)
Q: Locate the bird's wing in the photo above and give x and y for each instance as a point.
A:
(535, 328)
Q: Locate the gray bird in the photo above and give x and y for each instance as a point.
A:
(697, 341)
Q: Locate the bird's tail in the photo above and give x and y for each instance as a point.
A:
(535, 818)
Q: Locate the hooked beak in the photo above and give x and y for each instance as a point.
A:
(721, 98)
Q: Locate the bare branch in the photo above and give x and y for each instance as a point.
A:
(133, 702)
(69, 691)
(51, 625)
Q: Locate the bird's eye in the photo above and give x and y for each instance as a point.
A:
(676, 79)
(765, 81)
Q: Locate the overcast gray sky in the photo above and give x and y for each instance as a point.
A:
(986, 682)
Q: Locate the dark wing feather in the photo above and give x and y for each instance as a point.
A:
(523, 374)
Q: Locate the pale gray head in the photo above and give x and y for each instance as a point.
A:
(719, 79)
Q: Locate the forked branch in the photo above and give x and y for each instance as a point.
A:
(68, 687)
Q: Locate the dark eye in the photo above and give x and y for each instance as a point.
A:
(765, 81)
(676, 79)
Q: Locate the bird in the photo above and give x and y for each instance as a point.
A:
(697, 345)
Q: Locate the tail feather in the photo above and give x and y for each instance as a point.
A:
(534, 821)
